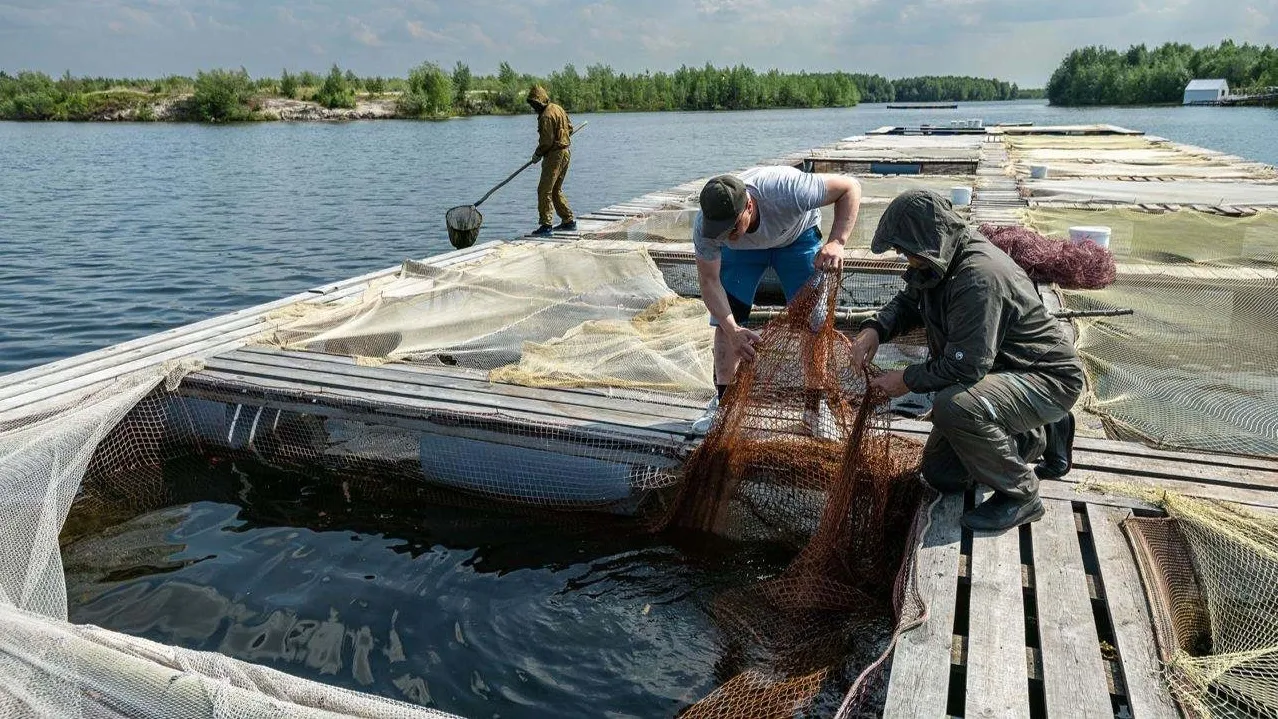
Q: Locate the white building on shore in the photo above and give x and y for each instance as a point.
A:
(1205, 91)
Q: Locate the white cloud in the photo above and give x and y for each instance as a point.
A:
(362, 33)
(1018, 40)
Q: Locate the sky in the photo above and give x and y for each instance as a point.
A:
(1017, 40)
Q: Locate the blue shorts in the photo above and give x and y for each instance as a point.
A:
(741, 270)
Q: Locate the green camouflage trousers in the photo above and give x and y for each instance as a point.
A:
(550, 191)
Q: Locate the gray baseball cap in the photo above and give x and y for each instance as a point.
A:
(723, 199)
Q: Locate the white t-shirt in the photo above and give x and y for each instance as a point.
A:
(788, 202)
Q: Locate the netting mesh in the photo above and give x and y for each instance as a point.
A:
(1212, 193)
(1017, 142)
(1177, 237)
(1124, 156)
(77, 451)
(536, 314)
(1074, 266)
(800, 450)
(1196, 364)
(799, 457)
(464, 218)
(1212, 572)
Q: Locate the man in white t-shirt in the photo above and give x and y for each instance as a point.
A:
(767, 217)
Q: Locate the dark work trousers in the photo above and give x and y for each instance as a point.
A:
(988, 432)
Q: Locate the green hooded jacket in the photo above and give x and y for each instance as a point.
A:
(554, 129)
(979, 309)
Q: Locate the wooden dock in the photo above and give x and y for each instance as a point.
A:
(1050, 620)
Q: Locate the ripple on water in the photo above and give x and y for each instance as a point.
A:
(459, 609)
(227, 217)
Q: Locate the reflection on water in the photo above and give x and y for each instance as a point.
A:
(461, 609)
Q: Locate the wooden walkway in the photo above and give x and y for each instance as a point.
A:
(1049, 620)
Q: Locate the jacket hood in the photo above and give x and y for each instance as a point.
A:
(921, 223)
(539, 95)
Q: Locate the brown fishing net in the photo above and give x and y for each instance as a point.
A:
(800, 449)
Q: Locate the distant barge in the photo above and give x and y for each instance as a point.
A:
(923, 106)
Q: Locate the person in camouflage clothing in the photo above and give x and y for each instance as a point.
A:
(1000, 365)
(554, 131)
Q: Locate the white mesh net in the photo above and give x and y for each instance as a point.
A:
(51, 668)
(1185, 191)
(1126, 156)
(538, 314)
(1196, 365)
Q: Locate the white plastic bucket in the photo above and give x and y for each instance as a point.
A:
(960, 196)
(1096, 233)
(1038, 172)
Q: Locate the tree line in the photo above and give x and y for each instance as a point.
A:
(432, 91)
(1140, 76)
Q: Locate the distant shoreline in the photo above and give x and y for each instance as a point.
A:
(167, 109)
(431, 93)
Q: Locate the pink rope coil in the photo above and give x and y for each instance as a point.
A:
(1082, 266)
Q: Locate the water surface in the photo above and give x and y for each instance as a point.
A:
(467, 610)
(113, 231)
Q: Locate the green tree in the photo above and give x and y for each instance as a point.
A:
(461, 86)
(288, 85)
(429, 94)
(221, 96)
(1099, 76)
(336, 90)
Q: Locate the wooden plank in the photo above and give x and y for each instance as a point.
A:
(1129, 615)
(1074, 681)
(679, 406)
(1132, 449)
(920, 678)
(1250, 497)
(26, 401)
(1153, 467)
(322, 389)
(1065, 491)
(426, 377)
(619, 448)
(997, 671)
(1259, 496)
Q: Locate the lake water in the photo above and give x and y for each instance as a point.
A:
(371, 586)
(113, 231)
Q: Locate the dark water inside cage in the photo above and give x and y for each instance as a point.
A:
(428, 600)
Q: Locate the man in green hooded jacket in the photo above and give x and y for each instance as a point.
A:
(1000, 365)
(554, 134)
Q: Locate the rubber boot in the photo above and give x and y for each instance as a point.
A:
(1058, 457)
(1001, 512)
